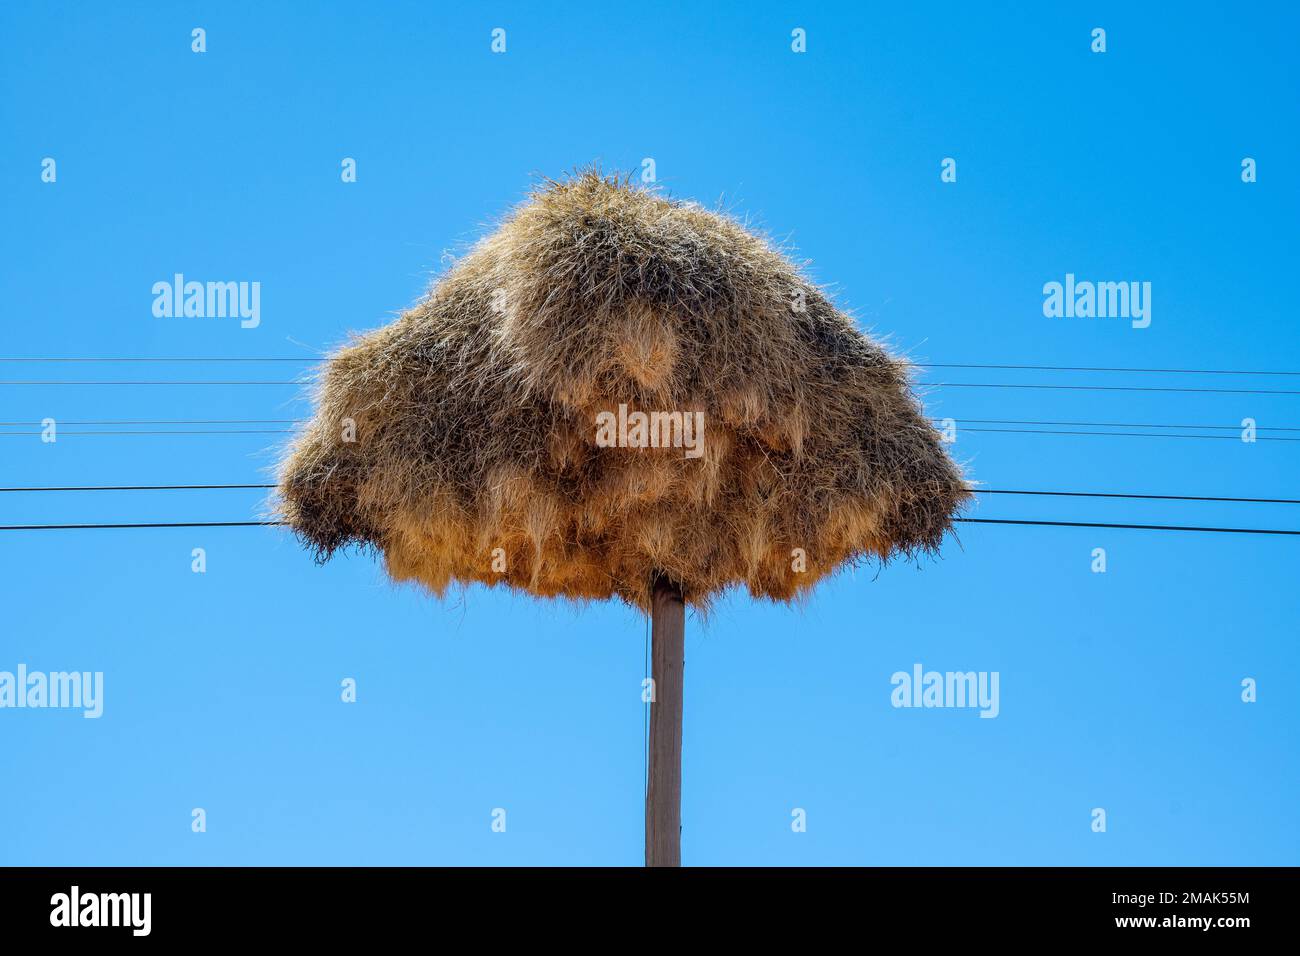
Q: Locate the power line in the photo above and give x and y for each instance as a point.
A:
(972, 365)
(1078, 388)
(1035, 431)
(1004, 431)
(183, 421)
(144, 524)
(150, 358)
(1010, 421)
(1004, 521)
(134, 487)
(1108, 494)
(140, 382)
(978, 491)
(956, 418)
(214, 431)
(1099, 368)
(1137, 527)
(1021, 385)
(1111, 388)
(961, 420)
(1007, 431)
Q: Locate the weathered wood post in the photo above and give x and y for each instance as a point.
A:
(663, 800)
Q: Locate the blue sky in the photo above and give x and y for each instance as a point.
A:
(1118, 690)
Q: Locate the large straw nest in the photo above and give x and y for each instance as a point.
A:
(470, 424)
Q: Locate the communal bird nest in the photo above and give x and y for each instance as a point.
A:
(613, 387)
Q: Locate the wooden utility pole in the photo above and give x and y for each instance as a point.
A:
(663, 799)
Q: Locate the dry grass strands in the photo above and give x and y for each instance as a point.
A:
(461, 441)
